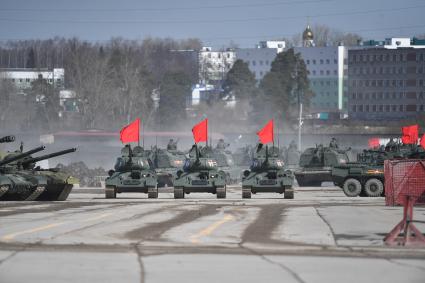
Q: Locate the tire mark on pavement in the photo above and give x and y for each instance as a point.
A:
(155, 230)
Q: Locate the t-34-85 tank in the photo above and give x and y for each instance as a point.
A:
(20, 179)
(316, 164)
(267, 174)
(200, 174)
(133, 173)
(166, 163)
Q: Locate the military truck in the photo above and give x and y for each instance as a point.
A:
(366, 176)
(133, 172)
(316, 164)
(166, 163)
(267, 174)
(200, 174)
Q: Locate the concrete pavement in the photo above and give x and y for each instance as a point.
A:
(320, 236)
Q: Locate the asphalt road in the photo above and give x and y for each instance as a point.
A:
(320, 236)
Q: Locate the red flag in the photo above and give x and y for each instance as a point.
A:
(423, 141)
(373, 143)
(266, 134)
(130, 133)
(200, 131)
(410, 134)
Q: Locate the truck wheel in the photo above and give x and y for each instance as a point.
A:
(289, 193)
(221, 192)
(178, 192)
(153, 192)
(352, 187)
(110, 192)
(246, 192)
(374, 188)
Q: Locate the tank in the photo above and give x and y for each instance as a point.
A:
(226, 163)
(133, 172)
(267, 174)
(21, 180)
(166, 163)
(316, 164)
(200, 173)
(366, 176)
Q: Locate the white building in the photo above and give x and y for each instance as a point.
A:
(214, 65)
(260, 59)
(22, 78)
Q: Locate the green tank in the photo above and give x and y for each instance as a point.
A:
(226, 164)
(200, 174)
(267, 174)
(316, 164)
(366, 176)
(21, 180)
(166, 163)
(133, 173)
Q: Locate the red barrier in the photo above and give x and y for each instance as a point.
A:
(405, 184)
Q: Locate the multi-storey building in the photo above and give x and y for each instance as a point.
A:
(22, 78)
(214, 65)
(386, 79)
(259, 59)
(327, 67)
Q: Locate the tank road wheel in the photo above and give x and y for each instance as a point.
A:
(374, 188)
(221, 192)
(153, 192)
(352, 187)
(110, 192)
(178, 192)
(288, 193)
(246, 192)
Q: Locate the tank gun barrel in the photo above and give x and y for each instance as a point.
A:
(7, 139)
(47, 156)
(21, 155)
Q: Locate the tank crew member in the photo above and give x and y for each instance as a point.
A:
(172, 145)
(333, 143)
(221, 144)
(391, 145)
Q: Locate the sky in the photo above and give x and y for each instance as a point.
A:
(216, 23)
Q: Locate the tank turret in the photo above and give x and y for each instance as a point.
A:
(19, 155)
(30, 162)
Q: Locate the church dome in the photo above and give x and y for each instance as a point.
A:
(308, 33)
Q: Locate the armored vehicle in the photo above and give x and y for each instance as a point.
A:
(267, 174)
(226, 164)
(243, 156)
(21, 180)
(366, 176)
(166, 163)
(133, 173)
(316, 164)
(200, 174)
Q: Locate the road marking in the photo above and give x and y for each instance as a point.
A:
(194, 239)
(34, 230)
(11, 236)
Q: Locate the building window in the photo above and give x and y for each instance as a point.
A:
(321, 72)
(401, 108)
(314, 72)
(381, 108)
(421, 108)
(367, 108)
(367, 96)
(321, 61)
(267, 62)
(354, 108)
(374, 108)
(314, 62)
(261, 62)
(387, 108)
(328, 61)
(328, 72)
(254, 63)
(308, 62)
(394, 107)
(27, 80)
